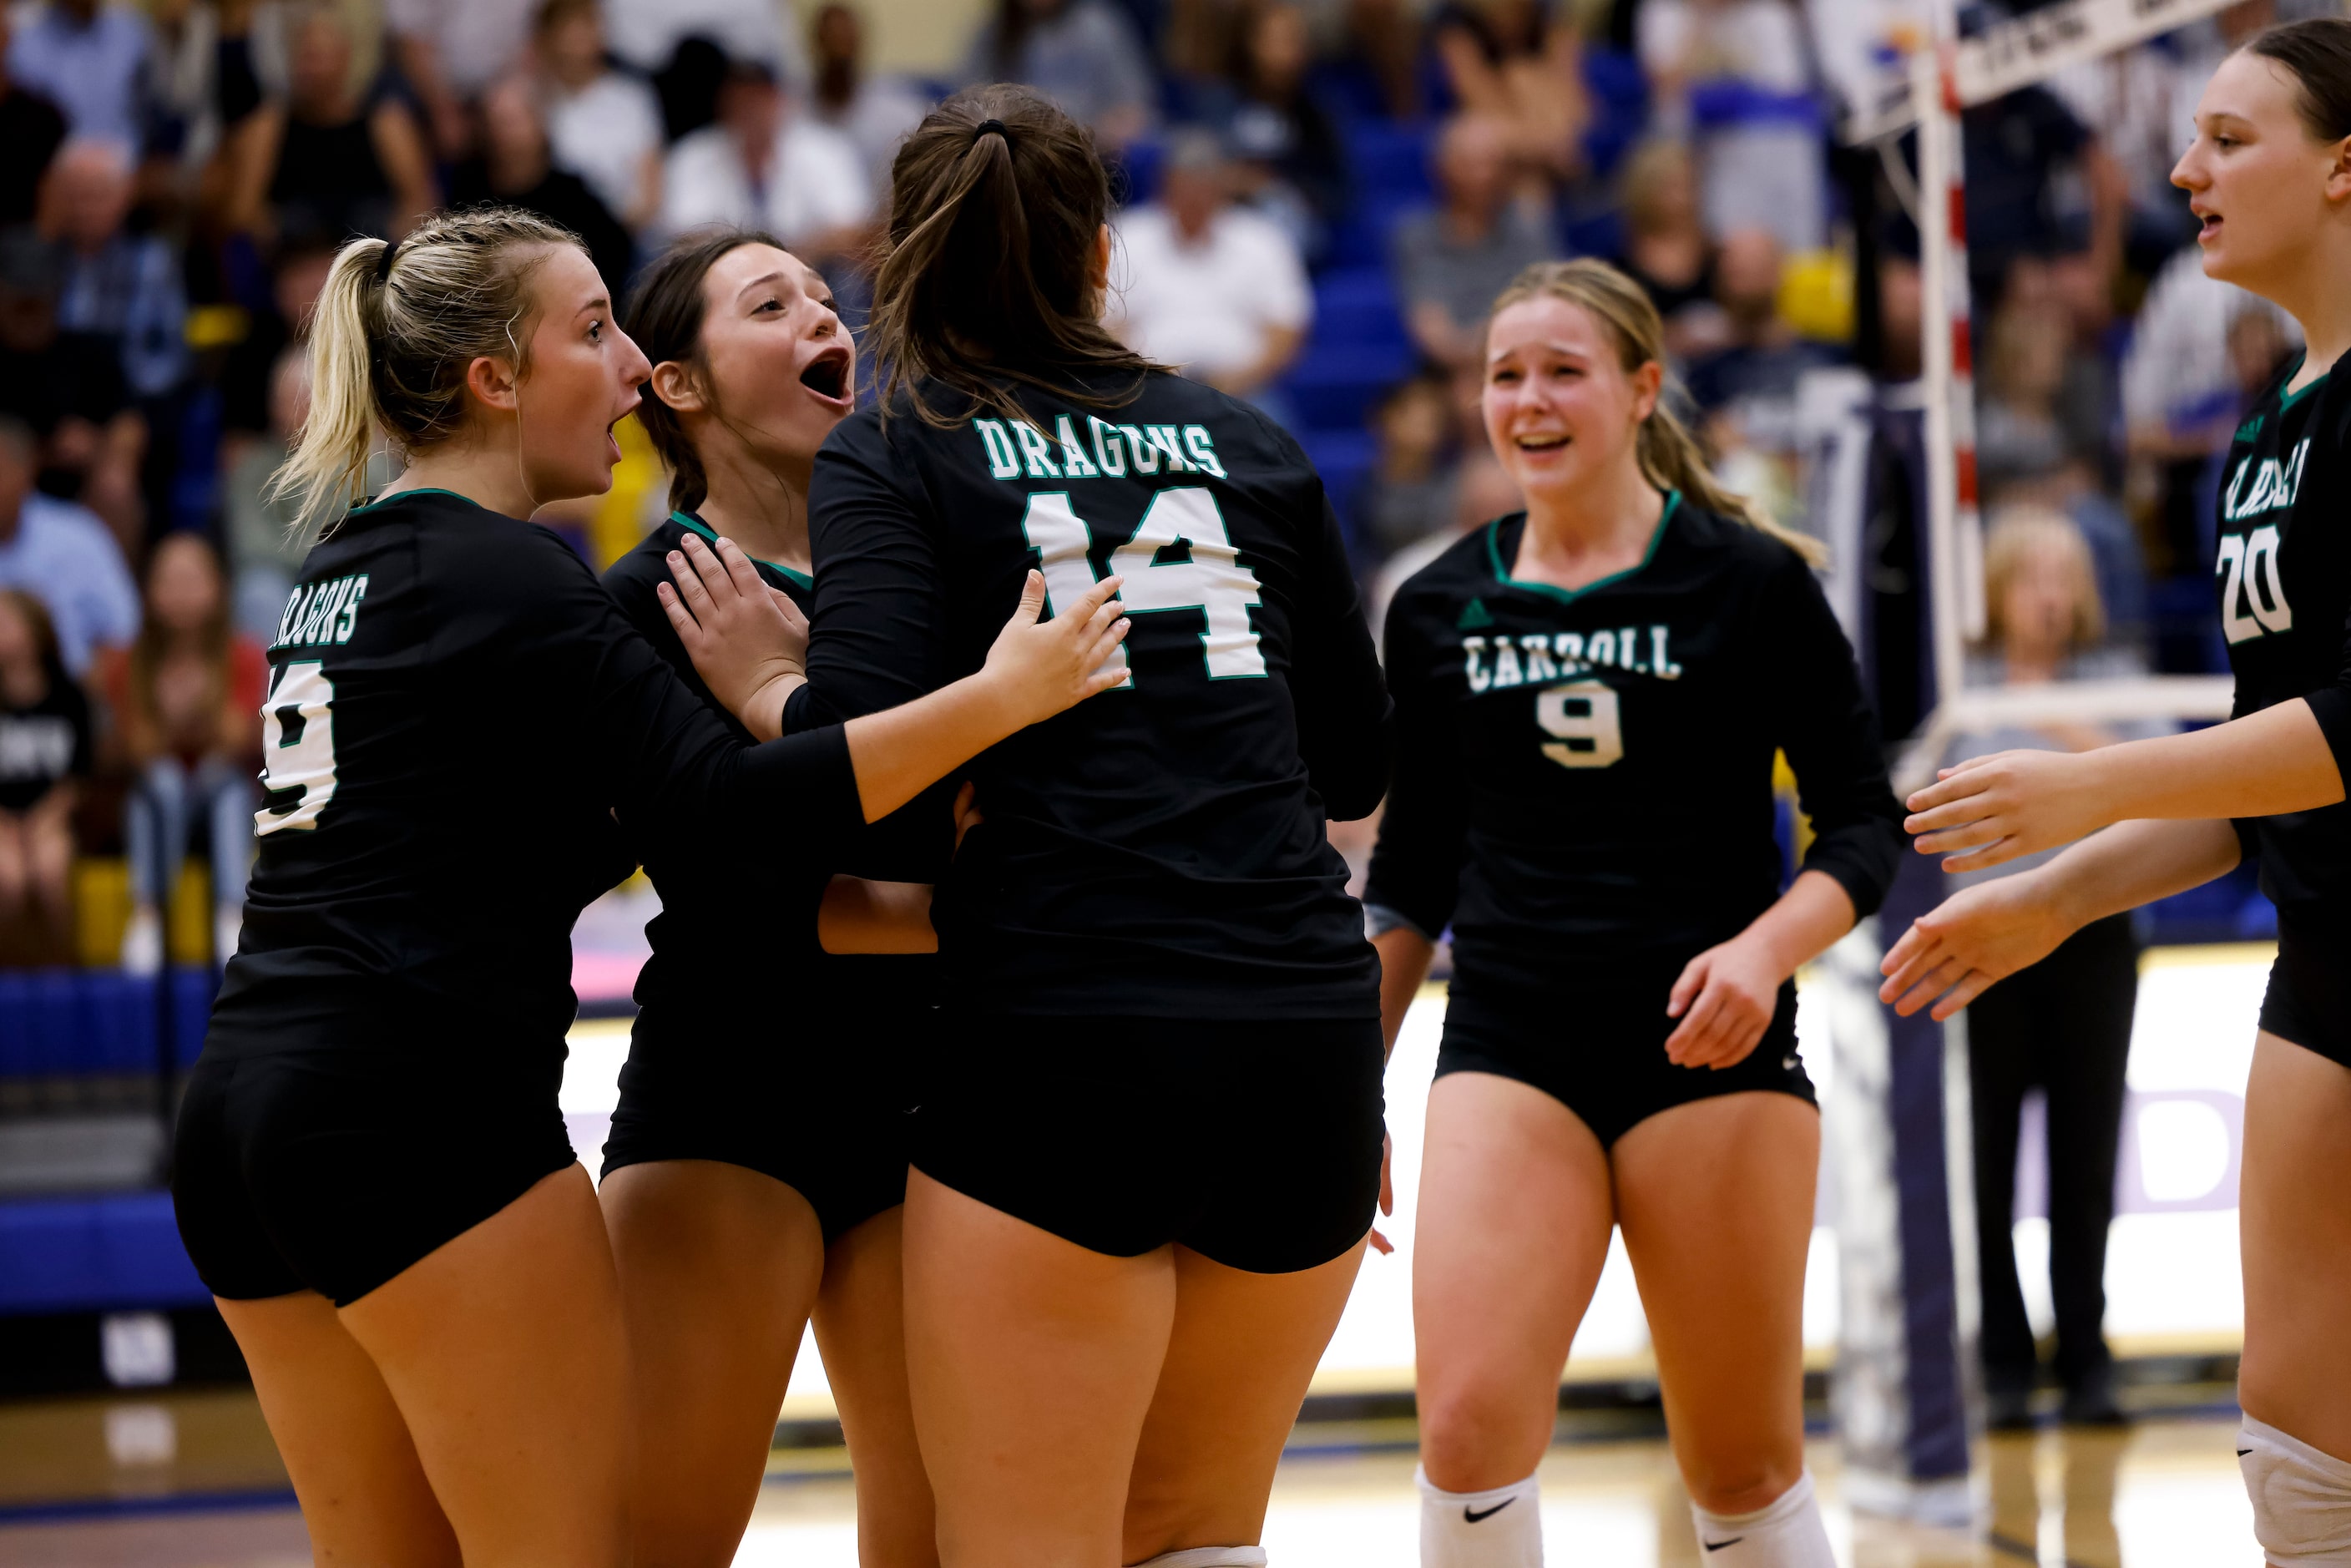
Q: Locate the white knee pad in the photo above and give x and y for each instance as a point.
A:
(2302, 1498)
(1208, 1557)
(1787, 1533)
(1498, 1529)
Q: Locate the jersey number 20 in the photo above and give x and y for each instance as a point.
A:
(297, 747)
(1581, 716)
(1212, 580)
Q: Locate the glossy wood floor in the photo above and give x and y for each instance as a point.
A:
(190, 1480)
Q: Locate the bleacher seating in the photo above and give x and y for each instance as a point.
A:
(74, 1023)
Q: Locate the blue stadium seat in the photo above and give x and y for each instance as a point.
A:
(1358, 306)
(120, 1252)
(1344, 457)
(79, 1023)
(1389, 160)
(1333, 385)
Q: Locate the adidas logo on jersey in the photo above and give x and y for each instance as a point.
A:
(1475, 617)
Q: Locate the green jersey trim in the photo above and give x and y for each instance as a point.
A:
(1570, 595)
(420, 490)
(2286, 400)
(695, 524)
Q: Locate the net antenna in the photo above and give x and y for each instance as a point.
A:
(1947, 76)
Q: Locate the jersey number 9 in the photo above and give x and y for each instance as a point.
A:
(297, 747)
(1210, 579)
(1582, 716)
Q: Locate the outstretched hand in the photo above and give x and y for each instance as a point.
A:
(1979, 936)
(1991, 810)
(1040, 667)
(748, 642)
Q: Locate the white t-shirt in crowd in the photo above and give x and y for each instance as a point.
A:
(646, 33)
(878, 119)
(1207, 306)
(815, 182)
(603, 132)
(475, 40)
(1758, 41)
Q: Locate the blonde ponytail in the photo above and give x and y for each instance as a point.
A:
(1670, 454)
(395, 329)
(325, 472)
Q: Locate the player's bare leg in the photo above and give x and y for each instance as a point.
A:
(861, 1327)
(718, 1265)
(2297, 1216)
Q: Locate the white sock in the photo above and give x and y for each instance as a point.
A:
(1208, 1557)
(1786, 1535)
(1497, 1528)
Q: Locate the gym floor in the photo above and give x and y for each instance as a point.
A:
(190, 1480)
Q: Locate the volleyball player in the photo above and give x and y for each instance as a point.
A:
(1147, 1160)
(1574, 686)
(2268, 175)
(758, 1157)
(461, 733)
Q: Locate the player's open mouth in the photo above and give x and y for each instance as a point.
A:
(828, 376)
(2212, 223)
(613, 442)
(1540, 442)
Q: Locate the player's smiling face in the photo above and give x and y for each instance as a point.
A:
(1562, 410)
(583, 381)
(2259, 181)
(781, 368)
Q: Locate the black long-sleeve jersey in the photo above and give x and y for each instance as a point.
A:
(2284, 569)
(710, 938)
(1583, 779)
(1159, 849)
(462, 738)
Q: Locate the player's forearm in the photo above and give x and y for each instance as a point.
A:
(2258, 766)
(1804, 922)
(858, 915)
(1405, 956)
(2136, 862)
(902, 751)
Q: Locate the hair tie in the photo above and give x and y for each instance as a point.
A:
(986, 126)
(383, 261)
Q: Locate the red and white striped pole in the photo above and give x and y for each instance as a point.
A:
(1955, 530)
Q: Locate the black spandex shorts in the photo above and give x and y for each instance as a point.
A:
(2309, 997)
(1255, 1145)
(332, 1169)
(821, 1107)
(1603, 1056)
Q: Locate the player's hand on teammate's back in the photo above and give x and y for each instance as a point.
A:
(1726, 997)
(1040, 667)
(1981, 934)
(1991, 810)
(747, 640)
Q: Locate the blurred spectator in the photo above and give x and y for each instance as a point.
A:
(186, 698)
(90, 59)
(2038, 182)
(1452, 261)
(1735, 75)
(647, 34)
(296, 277)
(450, 51)
(121, 286)
(264, 551)
(601, 125)
(1214, 289)
(1518, 63)
(330, 159)
(1753, 374)
(512, 166)
(63, 556)
(2021, 429)
(44, 753)
(1666, 249)
(1483, 491)
(2063, 1025)
(2180, 387)
(1081, 54)
(1409, 495)
(1292, 165)
(68, 389)
(764, 167)
(875, 112)
(31, 128)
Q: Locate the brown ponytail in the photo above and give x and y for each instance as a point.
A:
(995, 201)
(1670, 456)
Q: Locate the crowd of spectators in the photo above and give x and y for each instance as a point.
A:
(1321, 197)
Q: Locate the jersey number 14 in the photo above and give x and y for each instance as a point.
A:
(1209, 578)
